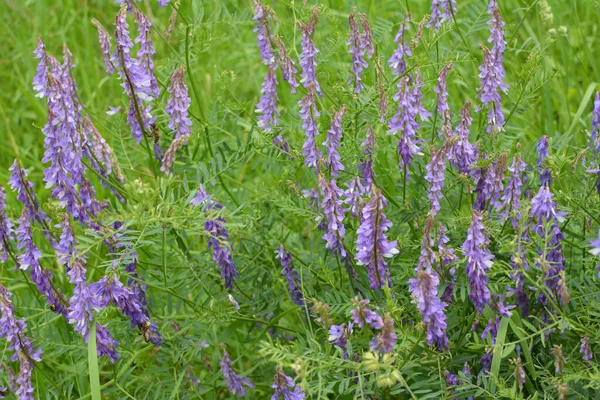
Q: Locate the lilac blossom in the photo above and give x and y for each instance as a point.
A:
(218, 236)
(372, 245)
(352, 196)
(40, 81)
(13, 330)
(479, 260)
(339, 334)
(29, 260)
(397, 61)
(511, 198)
(594, 145)
(497, 40)
(262, 15)
(545, 174)
(178, 104)
(288, 67)
(332, 143)
(267, 105)
(146, 50)
(291, 276)
(386, 339)
(285, 387)
(105, 45)
(135, 76)
(362, 316)
(585, 349)
(309, 52)
(331, 204)
(463, 154)
(489, 185)
(447, 258)
(366, 167)
(358, 48)
(6, 231)
(489, 92)
(163, 3)
(309, 114)
(235, 382)
(282, 144)
(441, 10)
(442, 97)
(435, 176)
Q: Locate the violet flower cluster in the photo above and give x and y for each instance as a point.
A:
(442, 98)
(178, 104)
(435, 175)
(218, 236)
(339, 334)
(308, 61)
(235, 382)
(463, 153)
(361, 47)
(285, 387)
(353, 196)
(309, 114)
(332, 143)
(331, 204)
(363, 316)
(479, 261)
(511, 198)
(13, 330)
(366, 167)
(372, 245)
(543, 147)
(6, 227)
(385, 340)
(398, 60)
(441, 10)
(291, 276)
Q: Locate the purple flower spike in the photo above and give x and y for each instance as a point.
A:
(339, 334)
(285, 387)
(424, 291)
(463, 154)
(479, 260)
(585, 349)
(146, 50)
(366, 167)
(441, 10)
(352, 196)
(309, 114)
(386, 339)
(435, 176)
(267, 105)
(309, 52)
(596, 251)
(178, 105)
(398, 60)
(442, 99)
(218, 236)
(363, 316)
(332, 143)
(293, 280)
(489, 92)
(6, 231)
(26, 195)
(511, 199)
(331, 204)
(361, 46)
(13, 330)
(596, 124)
(288, 67)
(262, 15)
(543, 151)
(372, 245)
(104, 39)
(40, 81)
(235, 382)
(282, 144)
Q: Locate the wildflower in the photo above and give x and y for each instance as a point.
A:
(285, 387)
(309, 52)
(146, 50)
(479, 260)
(511, 199)
(596, 251)
(367, 171)
(13, 330)
(596, 123)
(398, 60)
(463, 154)
(99, 152)
(29, 260)
(262, 15)
(293, 280)
(545, 174)
(489, 92)
(353, 196)
(6, 226)
(497, 40)
(386, 339)
(171, 153)
(435, 176)
(361, 46)
(442, 99)
(218, 236)
(338, 335)
(372, 245)
(135, 78)
(267, 105)
(163, 3)
(178, 105)
(287, 65)
(235, 382)
(585, 349)
(105, 45)
(282, 144)
(40, 81)
(332, 207)
(490, 184)
(309, 114)
(441, 10)
(332, 143)
(559, 358)
(361, 315)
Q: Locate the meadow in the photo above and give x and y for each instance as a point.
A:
(431, 235)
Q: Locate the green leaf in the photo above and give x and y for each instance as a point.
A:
(93, 363)
(497, 359)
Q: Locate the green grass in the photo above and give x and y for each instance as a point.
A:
(553, 72)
